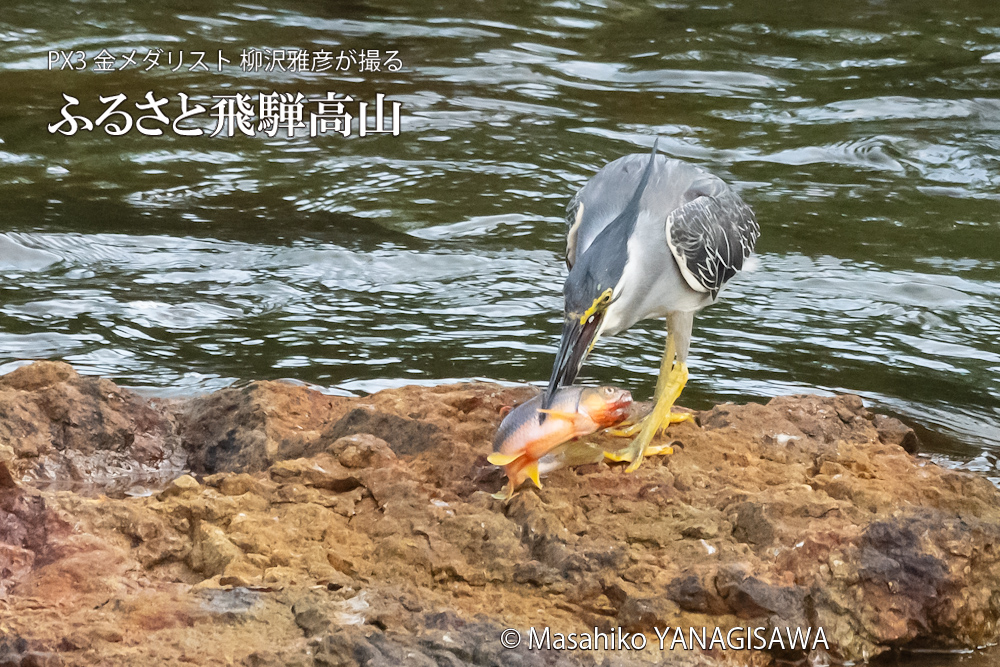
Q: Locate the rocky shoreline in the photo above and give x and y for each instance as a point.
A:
(299, 528)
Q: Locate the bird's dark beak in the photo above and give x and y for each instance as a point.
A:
(573, 347)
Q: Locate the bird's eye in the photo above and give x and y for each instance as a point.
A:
(590, 320)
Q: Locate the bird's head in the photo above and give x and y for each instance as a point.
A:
(589, 291)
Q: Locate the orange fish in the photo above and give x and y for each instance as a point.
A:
(524, 439)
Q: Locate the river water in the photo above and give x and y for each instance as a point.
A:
(864, 134)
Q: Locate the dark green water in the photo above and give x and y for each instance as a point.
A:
(865, 134)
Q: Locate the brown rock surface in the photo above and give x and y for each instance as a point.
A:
(59, 427)
(340, 531)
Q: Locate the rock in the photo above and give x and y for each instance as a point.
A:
(752, 525)
(39, 375)
(891, 431)
(6, 479)
(211, 550)
(179, 486)
(29, 531)
(646, 614)
(240, 484)
(248, 429)
(404, 435)
(242, 572)
(350, 531)
(279, 658)
(313, 614)
(692, 594)
(362, 451)
(749, 597)
(321, 472)
(66, 427)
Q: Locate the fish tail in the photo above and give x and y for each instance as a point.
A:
(498, 459)
(531, 470)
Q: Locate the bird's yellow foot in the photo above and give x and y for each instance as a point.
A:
(672, 381)
(633, 429)
(651, 450)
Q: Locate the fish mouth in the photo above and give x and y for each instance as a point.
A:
(577, 338)
(613, 412)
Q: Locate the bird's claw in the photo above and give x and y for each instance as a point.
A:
(672, 379)
(627, 455)
(634, 429)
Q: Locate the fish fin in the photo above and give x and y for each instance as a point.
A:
(570, 416)
(506, 493)
(578, 452)
(498, 459)
(532, 471)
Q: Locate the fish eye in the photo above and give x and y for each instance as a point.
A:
(609, 390)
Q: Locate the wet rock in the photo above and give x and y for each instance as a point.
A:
(891, 431)
(250, 428)
(343, 531)
(404, 436)
(57, 426)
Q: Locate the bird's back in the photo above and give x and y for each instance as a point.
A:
(674, 241)
(599, 202)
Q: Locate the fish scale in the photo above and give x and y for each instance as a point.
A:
(530, 433)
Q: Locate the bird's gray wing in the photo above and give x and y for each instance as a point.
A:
(711, 236)
(601, 200)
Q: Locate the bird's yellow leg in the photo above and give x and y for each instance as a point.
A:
(669, 385)
(668, 373)
(655, 421)
(632, 429)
